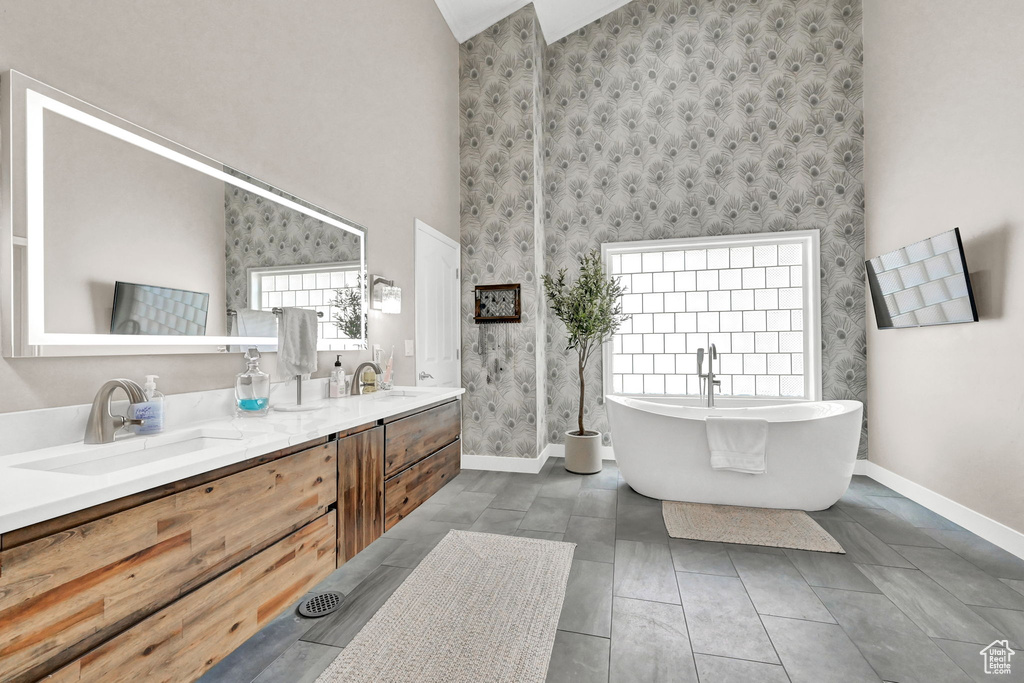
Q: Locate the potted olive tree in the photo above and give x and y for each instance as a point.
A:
(591, 310)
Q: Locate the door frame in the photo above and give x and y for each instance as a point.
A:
(420, 230)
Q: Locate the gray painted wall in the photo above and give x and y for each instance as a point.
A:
(346, 105)
(668, 119)
(943, 99)
(100, 189)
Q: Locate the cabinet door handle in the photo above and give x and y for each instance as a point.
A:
(426, 375)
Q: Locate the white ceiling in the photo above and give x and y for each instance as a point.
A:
(558, 18)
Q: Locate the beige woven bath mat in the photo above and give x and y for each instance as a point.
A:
(479, 607)
(752, 526)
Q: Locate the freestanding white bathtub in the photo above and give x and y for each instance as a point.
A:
(661, 449)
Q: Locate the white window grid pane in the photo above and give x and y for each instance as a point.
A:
(643, 363)
(665, 282)
(641, 283)
(720, 301)
(790, 255)
(664, 322)
(652, 262)
(654, 384)
(747, 300)
(731, 278)
(718, 258)
(643, 323)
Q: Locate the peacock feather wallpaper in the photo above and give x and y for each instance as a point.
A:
(664, 119)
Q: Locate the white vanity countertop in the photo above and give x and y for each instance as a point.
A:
(30, 492)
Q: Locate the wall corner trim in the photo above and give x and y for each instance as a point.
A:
(1010, 540)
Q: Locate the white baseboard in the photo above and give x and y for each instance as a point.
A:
(557, 450)
(1008, 539)
(498, 463)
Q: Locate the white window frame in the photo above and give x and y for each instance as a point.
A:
(809, 242)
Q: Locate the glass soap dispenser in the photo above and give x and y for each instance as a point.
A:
(252, 388)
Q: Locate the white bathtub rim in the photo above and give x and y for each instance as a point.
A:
(784, 411)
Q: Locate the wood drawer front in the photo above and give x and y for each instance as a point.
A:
(360, 492)
(413, 438)
(405, 492)
(63, 594)
(188, 637)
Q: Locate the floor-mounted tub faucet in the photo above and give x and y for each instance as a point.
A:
(708, 379)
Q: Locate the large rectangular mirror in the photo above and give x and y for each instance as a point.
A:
(116, 240)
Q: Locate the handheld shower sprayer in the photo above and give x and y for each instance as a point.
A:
(707, 380)
(700, 371)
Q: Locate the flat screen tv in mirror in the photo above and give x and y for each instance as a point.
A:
(925, 283)
(147, 309)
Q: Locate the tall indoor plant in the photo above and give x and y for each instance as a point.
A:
(591, 310)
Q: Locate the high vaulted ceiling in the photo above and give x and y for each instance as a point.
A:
(558, 18)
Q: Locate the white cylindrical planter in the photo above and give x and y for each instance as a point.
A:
(583, 453)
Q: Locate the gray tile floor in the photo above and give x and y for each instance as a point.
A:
(913, 601)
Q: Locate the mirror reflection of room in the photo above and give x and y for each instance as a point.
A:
(143, 238)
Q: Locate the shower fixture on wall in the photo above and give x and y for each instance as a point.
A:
(498, 307)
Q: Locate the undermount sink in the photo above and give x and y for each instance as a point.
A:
(396, 394)
(122, 455)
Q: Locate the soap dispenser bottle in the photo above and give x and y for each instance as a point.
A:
(252, 388)
(152, 411)
(337, 381)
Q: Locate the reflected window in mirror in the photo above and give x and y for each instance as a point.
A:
(319, 287)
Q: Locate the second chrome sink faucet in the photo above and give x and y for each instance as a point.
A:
(102, 425)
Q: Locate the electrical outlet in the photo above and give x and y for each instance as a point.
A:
(378, 354)
(409, 351)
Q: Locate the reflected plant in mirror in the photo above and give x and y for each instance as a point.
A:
(350, 315)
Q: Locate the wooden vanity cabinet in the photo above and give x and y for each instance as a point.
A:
(387, 470)
(360, 490)
(408, 489)
(422, 453)
(188, 637)
(163, 584)
(410, 438)
(64, 594)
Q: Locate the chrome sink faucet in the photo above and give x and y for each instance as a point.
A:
(357, 376)
(708, 379)
(102, 425)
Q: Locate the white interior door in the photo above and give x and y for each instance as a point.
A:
(438, 340)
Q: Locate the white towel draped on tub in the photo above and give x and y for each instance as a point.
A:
(738, 444)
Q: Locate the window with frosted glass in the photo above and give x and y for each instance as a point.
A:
(749, 299)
